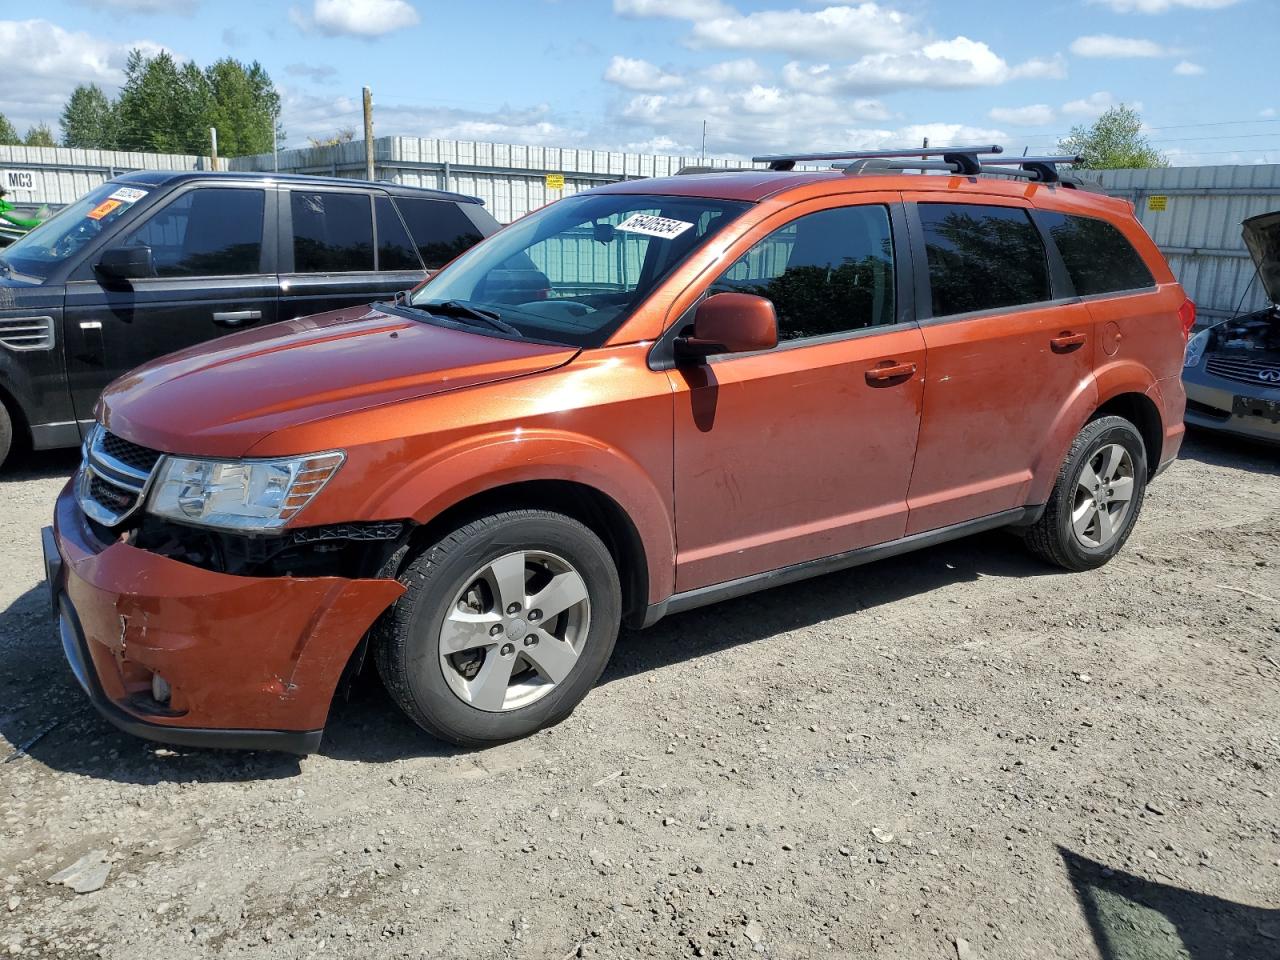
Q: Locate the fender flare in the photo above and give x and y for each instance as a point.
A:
(426, 488)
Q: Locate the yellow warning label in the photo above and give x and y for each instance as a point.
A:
(555, 181)
(1157, 203)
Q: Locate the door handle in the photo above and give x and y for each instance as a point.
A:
(889, 371)
(1067, 341)
(233, 318)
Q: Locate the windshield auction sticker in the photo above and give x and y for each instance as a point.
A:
(128, 195)
(102, 209)
(652, 226)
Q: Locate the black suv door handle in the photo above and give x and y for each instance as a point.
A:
(233, 318)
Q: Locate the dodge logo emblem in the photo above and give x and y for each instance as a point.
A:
(1269, 376)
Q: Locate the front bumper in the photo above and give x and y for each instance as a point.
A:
(252, 662)
(1211, 405)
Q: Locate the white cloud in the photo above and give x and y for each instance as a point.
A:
(1105, 45)
(35, 85)
(1267, 113)
(734, 71)
(673, 9)
(1163, 6)
(634, 74)
(943, 64)
(1034, 115)
(1186, 68)
(1054, 68)
(832, 31)
(355, 18)
(1095, 105)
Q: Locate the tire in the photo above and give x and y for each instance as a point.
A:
(461, 697)
(6, 434)
(1055, 537)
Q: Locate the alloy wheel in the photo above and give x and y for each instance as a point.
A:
(1103, 496)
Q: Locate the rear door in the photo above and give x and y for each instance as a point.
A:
(803, 451)
(340, 248)
(1008, 346)
(214, 251)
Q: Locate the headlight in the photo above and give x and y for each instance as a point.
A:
(249, 495)
(1195, 349)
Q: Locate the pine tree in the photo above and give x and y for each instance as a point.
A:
(87, 120)
(39, 136)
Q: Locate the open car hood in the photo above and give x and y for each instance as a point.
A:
(1262, 237)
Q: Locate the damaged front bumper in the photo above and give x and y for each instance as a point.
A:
(1234, 408)
(246, 662)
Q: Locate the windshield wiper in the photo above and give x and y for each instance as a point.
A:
(459, 308)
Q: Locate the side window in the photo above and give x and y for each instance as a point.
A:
(1098, 257)
(982, 258)
(206, 232)
(826, 272)
(395, 250)
(332, 232)
(440, 230)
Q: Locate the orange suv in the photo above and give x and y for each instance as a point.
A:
(646, 397)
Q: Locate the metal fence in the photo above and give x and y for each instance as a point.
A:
(1193, 213)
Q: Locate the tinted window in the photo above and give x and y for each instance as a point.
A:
(982, 258)
(1098, 257)
(395, 249)
(826, 272)
(207, 232)
(440, 230)
(332, 232)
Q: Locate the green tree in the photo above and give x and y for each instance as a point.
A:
(39, 136)
(243, 107)
(8, 135)
(1114, 141)
(88, 119)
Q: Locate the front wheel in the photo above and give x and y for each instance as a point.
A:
(1096, 499)
(506, 625)
(6, 433)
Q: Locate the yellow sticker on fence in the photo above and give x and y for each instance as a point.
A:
(1157, 203)
(555, 181)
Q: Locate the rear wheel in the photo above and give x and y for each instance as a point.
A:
(506, 625)
(1096, 499)
(6, 433)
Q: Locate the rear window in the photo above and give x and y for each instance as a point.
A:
(440, 230)
(332, 232)
(982, 257)
(1098, 257)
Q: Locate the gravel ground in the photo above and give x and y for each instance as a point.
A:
(955, 754)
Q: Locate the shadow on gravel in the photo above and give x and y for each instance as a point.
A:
(1136, 919)
(1219, 450)
(40, 465)
(708, 630)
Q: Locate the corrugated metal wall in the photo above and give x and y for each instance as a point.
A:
(1194, 215)
(62, 175)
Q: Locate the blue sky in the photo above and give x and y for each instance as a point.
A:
(643, 75)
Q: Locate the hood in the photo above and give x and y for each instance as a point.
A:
(1262, 237)
(221, 398)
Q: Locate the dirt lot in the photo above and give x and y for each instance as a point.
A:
(959, 753)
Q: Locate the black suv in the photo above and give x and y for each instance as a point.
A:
(155, 261)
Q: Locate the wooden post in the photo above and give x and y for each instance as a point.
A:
(213, 146)
(368, 134)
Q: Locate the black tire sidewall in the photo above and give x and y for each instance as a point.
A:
(431, 694)
(1105, 431)
(6, 434)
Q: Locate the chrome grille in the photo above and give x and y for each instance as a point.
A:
(1244, 370)
(114, 477)
(26, 333)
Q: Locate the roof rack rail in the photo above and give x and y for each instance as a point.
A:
(1041, 169)
(966, 158)
(1037, 169)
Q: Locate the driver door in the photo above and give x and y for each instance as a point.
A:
(804, 451)
(214, 251)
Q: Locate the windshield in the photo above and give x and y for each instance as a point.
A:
(575, 270)
(63, 234)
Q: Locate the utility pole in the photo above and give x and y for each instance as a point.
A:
(702, 157)
(368, 134)
(275, 147)
(213, 146)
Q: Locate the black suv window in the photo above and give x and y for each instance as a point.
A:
(440, 229)
(982, 258)
(332, 232)
(206, 232)
(395, 249)
(1098, 257)
(826, 272)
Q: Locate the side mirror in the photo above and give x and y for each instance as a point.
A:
(126, 263)
(730, 323)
